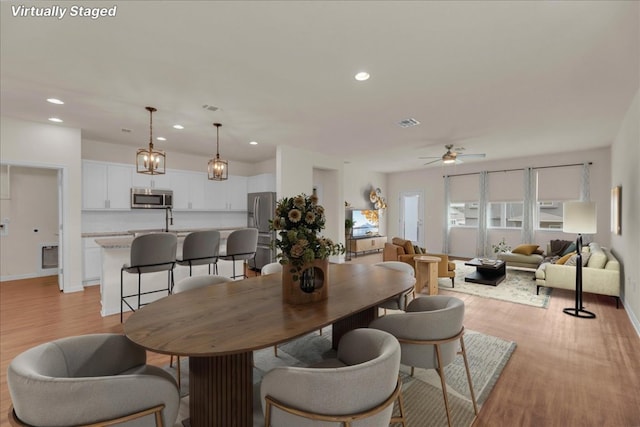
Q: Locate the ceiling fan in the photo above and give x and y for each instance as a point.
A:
(453, 156)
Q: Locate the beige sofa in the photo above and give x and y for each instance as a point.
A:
(601, 275)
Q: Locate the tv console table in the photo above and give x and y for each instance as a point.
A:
(366, 244)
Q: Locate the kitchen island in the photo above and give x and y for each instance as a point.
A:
(115, 252)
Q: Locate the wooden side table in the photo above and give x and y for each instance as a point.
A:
(427, 273)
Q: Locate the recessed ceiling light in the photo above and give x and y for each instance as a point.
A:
(55, 101)
(362, 76)
(55, 119)
(253, 143)
(178, 127)
(161, 138)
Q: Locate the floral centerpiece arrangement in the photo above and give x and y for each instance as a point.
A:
(298, 220)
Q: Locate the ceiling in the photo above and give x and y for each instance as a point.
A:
(505, 78)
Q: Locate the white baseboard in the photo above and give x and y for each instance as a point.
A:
(632, 317)
(18, 277)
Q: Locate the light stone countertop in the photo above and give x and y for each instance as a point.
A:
(116, 240)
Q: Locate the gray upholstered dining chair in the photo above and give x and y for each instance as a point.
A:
(149, 253)
(201, 248)
(401, 301)
(90, 380)
(186, 284)
(431, 335)
(271, 268)
(358, 388)
(242, 245)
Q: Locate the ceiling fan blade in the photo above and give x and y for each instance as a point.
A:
(473, 156)
(433, 161)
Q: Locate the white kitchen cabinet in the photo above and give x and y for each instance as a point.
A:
(188, 190)
(91, 262)
(261, 183)
(237, 193)
(229, 195)
(106, 185)
(142, 180)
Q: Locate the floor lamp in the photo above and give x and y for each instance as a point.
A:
(579, 217)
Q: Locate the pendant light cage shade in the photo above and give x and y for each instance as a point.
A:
(218, 169)
(150, 161)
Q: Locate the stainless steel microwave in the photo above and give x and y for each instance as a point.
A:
(151, 198)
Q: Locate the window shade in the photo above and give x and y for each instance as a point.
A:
(506, 186)
(465, 188)
(561, 183)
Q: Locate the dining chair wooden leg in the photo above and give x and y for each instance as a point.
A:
(466, 366)
(443, 383)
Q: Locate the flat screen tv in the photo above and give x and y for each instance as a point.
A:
(365, 222)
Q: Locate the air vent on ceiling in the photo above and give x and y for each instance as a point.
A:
(407, 123)
(125, 130)
(210, 107)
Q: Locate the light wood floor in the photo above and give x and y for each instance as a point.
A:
(564, 372)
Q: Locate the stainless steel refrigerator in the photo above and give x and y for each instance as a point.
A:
(261, 207)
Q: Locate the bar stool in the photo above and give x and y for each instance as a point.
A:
(241, 246)
(149, 253)
(200, 248)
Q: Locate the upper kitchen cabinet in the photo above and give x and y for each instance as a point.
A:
(142, 180)
(229, 195)
(261, 183)
(106, 185)
(188, 190)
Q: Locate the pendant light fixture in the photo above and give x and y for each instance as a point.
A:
(148, 160)
(218, 169)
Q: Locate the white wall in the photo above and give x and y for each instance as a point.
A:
(625, 158)
(295, 173)
(32, 212)
(358, 183)
(51, 146)
(463, 241)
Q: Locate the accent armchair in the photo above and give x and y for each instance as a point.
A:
(404, 251)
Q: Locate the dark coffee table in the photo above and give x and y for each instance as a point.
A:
(489, 272)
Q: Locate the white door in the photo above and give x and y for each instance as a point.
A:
(412, 216)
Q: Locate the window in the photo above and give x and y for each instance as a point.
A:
(505, 214)
(463, 214)
(549, 215)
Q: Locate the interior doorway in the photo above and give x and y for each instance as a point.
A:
(412, 216)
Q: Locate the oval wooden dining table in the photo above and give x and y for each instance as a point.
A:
(218, 327)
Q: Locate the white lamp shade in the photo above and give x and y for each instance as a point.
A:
(579, 217)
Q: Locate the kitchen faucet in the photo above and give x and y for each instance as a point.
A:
(168, 219)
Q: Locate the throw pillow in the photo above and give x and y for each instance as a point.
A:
(539, 251)
(570, 248)
(574, 259)
(598, 259)
(408, 247)
(524, 249)
(418, 249)
(565, 258)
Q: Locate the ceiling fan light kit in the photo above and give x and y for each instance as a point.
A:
(452, 156)
(150, 161)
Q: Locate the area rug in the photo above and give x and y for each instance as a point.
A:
(518, 287)
(422, 393)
